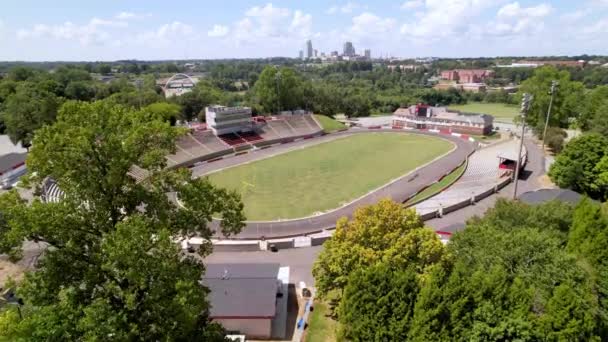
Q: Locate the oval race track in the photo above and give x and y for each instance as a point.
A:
(399, 190)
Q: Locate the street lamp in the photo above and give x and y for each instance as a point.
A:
(525, 106)
(554, 85)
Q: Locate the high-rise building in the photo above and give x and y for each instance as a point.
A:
(368, 54)
(309, 49)
(349, 49)
(301, 54)
(316, 53)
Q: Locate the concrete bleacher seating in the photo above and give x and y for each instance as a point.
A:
(51, 192)
(482, 173)
(232, 139)
(208, 140)
(250, 136)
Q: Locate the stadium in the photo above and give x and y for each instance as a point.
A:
(296, 179)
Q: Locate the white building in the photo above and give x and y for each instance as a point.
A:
(226, 120)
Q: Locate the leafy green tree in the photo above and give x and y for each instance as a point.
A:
(384, 232)
(507, 282)
(575, 167)
(28, 109)
(164, 111)
(378, 304)
(594, 108)
(113, 270)
(599, 122)
(193, 103)
(566, 102)
(278, 89)
(80, 90)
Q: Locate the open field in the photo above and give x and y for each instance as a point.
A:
(438, 187)
(322, 177)
(328, 124)
(501, 112)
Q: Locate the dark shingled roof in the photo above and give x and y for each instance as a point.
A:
(545, 195)
(242, 290)
(8, 161)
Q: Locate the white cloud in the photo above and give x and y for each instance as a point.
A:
(575, 16)
(411, 4)
(371, 24)
(347, 8)
(268, 22)
(443, 18)
(514, 10)
(599, 27)
(513, 19)
(131, 15)
(167, 33)
(95, 32)
(218, 31)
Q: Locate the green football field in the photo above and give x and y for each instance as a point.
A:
(303, 182)
(501, 112)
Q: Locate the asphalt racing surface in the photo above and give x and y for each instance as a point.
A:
(399, 190)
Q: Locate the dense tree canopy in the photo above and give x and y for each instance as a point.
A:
(384, 232)
(279, 89)
(567, 99)
(28, 109)
(113, 270)
(579, 166)
(519, 273)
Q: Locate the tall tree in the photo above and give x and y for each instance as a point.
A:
(566, 102)
(576, 167)
(507, 282)
(279, 89)
(378, 304)
(113, 270)
(28, 109)
(385, 232)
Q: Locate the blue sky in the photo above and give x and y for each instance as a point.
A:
(138, 29)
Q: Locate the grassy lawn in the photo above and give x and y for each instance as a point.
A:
(500, 111)
(325, 176)
(328, 124)
(439, 186)
(321, 328)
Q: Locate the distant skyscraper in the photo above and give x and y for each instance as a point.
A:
(301, 54)
(349, 49)
(316, 53)
(368, 54)
(308, 49)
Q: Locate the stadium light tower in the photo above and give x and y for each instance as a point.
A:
(278, 80)
(525, 106)
(554, 85)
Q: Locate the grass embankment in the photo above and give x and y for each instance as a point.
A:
(325, 176)
(328, 124)
(500, 111)
(321, 327)
(439, 186)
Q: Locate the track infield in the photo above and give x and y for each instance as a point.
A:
(326, 176)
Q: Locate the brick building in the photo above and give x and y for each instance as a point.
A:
(439, 118)
(466, 75)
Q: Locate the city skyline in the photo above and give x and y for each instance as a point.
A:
(115, 30)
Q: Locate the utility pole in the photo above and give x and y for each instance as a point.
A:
(525, 105)
(554, 85)
(278, 80)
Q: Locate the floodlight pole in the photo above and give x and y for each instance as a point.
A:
(554, 85)
(524, 109)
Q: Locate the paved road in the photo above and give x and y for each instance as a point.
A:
(399, 190)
